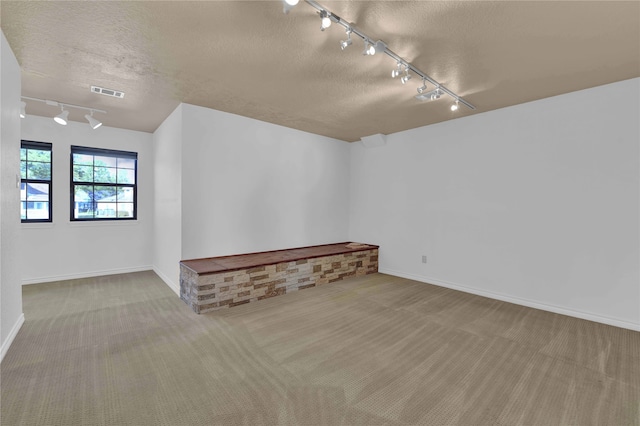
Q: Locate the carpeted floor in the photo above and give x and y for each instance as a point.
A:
(124, 350)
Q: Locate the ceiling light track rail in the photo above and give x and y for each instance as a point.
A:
(62, 118)
(372, 47)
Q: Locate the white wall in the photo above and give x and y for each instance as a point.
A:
(226, 184)
(11, 317)
(537, 204)
(252, 186)
(167, 178)
(65, 249)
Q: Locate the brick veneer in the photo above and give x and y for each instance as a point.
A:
(212, 291)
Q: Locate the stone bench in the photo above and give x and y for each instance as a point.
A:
(222, 282)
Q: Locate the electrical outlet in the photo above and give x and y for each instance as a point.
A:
(424, 258)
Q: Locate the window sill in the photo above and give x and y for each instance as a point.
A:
(100, 223)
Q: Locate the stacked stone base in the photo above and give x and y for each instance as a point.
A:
(209, 292)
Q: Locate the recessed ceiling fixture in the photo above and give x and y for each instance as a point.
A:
(371, 48)
(63, 117)
(107, 92)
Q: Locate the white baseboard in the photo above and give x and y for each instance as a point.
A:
(167, 281)
(12, 335)
(85, 275)
(516, 300)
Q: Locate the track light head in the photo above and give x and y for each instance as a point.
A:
(325, 20)
(92, 121)
(346, 43)
(422, 88)
(396, 72)
(454, 107)
(369, 49)
(23, 109)
(430, 96)
(287, 5)
(62, 118)
(406, 77)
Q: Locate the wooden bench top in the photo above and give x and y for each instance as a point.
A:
(214, 265)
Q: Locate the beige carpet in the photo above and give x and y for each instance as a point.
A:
(124, 350)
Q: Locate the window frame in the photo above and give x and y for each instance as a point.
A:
(40, 146)
(103, 152)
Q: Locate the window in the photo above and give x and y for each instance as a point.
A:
(35, 182)
(103, 184)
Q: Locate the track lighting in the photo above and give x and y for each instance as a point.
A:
(92, 121)
(406, 77)
(23, 109)
(62, 118)
(346, 43)
(423, 87)
(287, 5)
(371, 48)
(325, 20)
(430, 96)
(396, 72)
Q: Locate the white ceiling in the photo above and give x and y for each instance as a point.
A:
(248, 58)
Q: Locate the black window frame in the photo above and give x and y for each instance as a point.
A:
(103, 152)
(40, 146)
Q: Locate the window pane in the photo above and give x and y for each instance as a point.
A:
(83, 201)
(105, 210)
(83, 159)
(126, 176)
(40, 171)
(125, 209)
(126, 163)
(125, 194)
(38, 210)
(23, 170)
(104, 175)
(105, 161)
(39, 155)
(23, 191)
(38, 192)
(23, 210)
(82, 173)
(105, 193)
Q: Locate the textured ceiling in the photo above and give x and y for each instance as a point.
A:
(248, 58)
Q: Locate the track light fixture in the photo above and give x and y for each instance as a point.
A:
(406, 77)
(396, 72)
(430, 96)
(371, 48)
(92, 121)
(287, 5)
(346, 43)
(325, 20)
(423, 87)
(23, 109)
(63, 117)
(454, 107)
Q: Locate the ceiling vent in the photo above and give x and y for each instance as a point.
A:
(107, 92)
